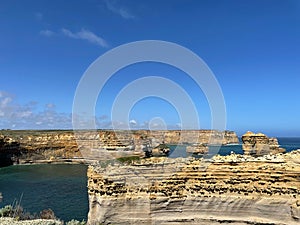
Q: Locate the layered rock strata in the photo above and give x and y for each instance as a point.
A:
(235, 189)
(29, 146)
(260, 144)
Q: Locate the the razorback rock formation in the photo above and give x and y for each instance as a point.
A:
(28, 146)
(234, 189)
(259, 144)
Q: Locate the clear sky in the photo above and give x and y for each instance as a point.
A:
(252, 47)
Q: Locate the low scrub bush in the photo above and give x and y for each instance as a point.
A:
(128, 159)
(19, 213)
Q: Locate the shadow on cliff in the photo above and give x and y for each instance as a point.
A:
(10, 151)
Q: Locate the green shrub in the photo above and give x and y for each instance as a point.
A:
(16, 212)
(128, 159)
(6, 211)
(19, 213)
(162, 146)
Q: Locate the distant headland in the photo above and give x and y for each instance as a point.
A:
(65, 146)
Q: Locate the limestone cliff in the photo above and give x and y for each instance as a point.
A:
(28, 146)
(16, 146)
(235, 189)
(259, 144)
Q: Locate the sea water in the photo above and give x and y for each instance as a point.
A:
(63, 187)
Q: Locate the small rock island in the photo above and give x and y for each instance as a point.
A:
(259, 144)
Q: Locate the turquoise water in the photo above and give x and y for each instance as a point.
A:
(59, 187)
(63, 187)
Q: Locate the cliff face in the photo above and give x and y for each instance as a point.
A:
(36, 145)
(234, 189)
(9, 149)
(46, 145)
(260, 144)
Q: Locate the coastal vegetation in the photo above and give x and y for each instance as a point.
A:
(43, 146)
(128, 159)
(16, 213)
(169, 179)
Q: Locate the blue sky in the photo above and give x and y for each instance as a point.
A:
(252, 47)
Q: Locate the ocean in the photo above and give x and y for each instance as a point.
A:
(63, 187)
(289, 143)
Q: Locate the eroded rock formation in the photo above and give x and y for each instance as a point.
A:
(259, 144)
(29, 146)
(197, 149)
(234, 189)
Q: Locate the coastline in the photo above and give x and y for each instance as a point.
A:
(43, 154)
(55, 161)
(81, 160)
(64, 145)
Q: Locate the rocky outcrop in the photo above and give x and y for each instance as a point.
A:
(235, 189)
(160, 150)
(197, 149)
(32, 146)
(259, 144)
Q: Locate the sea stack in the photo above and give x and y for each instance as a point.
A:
(260, 144)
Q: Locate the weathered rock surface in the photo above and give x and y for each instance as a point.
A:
(161, 150)
(29, 146)
(259, 144)
(197, 149)
(235, 189)
(12, 221)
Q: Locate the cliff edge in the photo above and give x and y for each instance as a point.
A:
(29, 146)
(234, 189)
